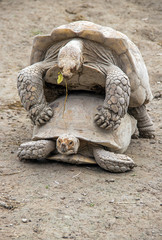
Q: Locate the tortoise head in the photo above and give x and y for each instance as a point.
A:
(70, 58)
(67, 144)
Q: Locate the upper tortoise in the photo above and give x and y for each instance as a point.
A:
(94, 58)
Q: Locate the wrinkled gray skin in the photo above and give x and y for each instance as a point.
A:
(70, 56)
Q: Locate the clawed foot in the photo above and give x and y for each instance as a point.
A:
(113, 162)
(147, 134)
(30, 151)
(143, 134)
(35, 149)
(117, 163)
(107, 119)
(44, 116)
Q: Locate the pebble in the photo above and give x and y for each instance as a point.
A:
(110, 180)
(84, 194)
(157, 95)
(24, 220)
(152, 141)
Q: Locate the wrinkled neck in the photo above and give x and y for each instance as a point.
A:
(75, 43)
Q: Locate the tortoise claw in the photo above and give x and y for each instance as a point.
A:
(44, 116)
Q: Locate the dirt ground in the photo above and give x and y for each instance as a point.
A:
(62, 201)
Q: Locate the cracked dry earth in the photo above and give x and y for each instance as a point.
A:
(60, 201)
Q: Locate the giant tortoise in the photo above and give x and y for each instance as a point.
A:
(72, 136)
(91, 58)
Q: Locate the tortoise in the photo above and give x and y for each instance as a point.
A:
(93, 58)
(72, 136)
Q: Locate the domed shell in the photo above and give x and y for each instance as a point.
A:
(78, 119)
(130, 57)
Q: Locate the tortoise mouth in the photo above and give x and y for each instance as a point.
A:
(65, 152)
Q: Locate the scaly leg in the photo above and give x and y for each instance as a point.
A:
(116, 101)
(144, 122)
(113, 162)
(36, 149)
(30, 88)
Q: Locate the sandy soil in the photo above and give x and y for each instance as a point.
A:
(62, 201)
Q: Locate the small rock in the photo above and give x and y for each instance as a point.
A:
(110, 180)
(24, 220)
(65, 236)
(157, 95)
(152, 141)
(62, 198)
(67, 217)
(80, 199)
(144, 19)
(84, 194)
(111, 201)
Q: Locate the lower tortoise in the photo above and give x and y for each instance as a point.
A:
(72, 136)
(91, 58)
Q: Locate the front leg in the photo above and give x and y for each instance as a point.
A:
(117, 91)
(36, 149)
(113, 162)
(30, 88)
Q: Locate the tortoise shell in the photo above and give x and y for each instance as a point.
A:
(129, 55)
(76, 117)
